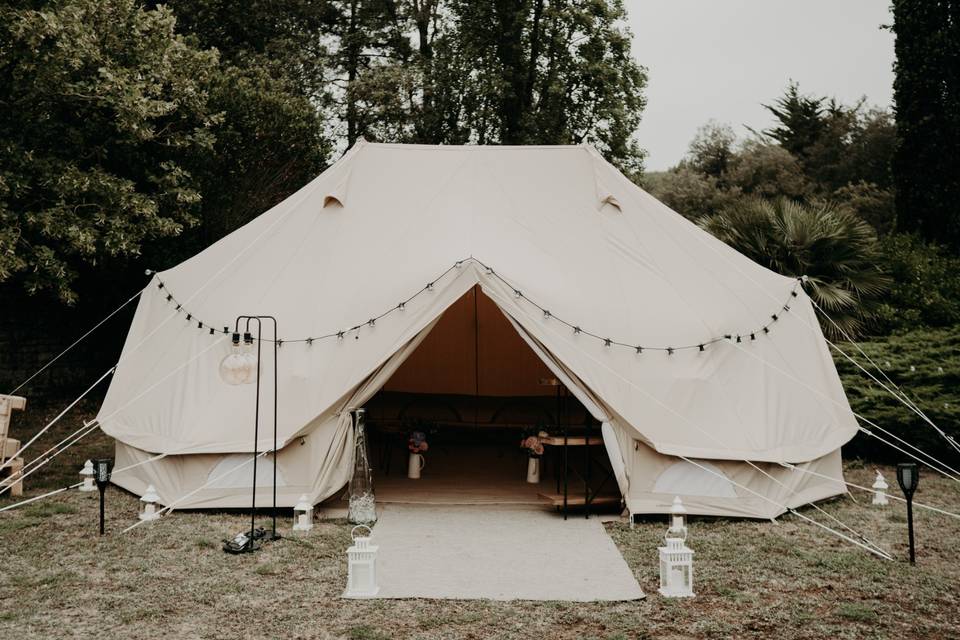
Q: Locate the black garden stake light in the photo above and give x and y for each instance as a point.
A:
(102, 468)
(908, 477)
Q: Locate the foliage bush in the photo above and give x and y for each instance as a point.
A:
(925, 363)
(925, 286)
(835, 249)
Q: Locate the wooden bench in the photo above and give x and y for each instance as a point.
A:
(11, 467)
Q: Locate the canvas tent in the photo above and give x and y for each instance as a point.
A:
(534, 229)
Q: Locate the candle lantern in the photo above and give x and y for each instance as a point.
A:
(87, 475)
(148, 504)
(361, 565)
(303, 514)
(676, 558)
(880, 487)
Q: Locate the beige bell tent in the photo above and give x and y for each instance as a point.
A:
(542, 262)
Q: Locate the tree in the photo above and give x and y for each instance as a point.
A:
(927, 98)
(689, 192)
(711, 149)
(551, 72)
(528, 72)
(801, 121)
(104, 108)
(270, 94)
(837, 250)
(760, 168)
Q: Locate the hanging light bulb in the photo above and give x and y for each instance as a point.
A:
(233, 368)
(250, 359)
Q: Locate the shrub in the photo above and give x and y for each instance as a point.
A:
(836, 249)
(925, 363)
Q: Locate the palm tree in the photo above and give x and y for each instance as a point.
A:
(836, 249)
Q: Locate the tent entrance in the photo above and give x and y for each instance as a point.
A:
(475, 389)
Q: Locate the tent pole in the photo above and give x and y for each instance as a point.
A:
(566, 451)
(276, 344)
(586, 482)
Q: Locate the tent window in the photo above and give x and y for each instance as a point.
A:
(684, 479)
(332, 201)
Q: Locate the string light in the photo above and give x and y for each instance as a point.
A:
(518, 294)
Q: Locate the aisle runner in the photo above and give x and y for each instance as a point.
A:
(498, 553)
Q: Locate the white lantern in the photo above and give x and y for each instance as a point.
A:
(148, 504)
(361, 566)
(87, 475)
(303, 514)
(676, 558)
(880, 487)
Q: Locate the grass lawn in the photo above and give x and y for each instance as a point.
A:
(753, 579)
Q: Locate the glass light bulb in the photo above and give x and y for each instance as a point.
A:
(250, 363)
(233, 368)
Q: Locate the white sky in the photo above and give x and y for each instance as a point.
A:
(720, 59)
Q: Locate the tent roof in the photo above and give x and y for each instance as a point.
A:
(559, 224)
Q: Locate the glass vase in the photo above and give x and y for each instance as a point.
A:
(363, 508)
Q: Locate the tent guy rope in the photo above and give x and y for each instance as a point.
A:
(91, 426)
(77, 484)
(899, 394)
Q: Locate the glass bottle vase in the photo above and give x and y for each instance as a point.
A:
(363, 508)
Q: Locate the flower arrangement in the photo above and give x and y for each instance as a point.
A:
(417, 442)
(533, 445)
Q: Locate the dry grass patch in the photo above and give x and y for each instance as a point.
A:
(754, 579)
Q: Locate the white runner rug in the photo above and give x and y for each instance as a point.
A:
(497, 553)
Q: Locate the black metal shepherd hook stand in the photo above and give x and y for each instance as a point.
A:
(247, 337)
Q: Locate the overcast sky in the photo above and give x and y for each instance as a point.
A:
(720, 59)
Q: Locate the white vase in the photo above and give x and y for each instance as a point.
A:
(415, 465)
(533, 470)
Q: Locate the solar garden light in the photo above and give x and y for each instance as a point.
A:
(102, 468)
(148, 504)
(303, 514)
(880, 487)
(361, 565)
(908, 477)
(86, 474)
(676, 558)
